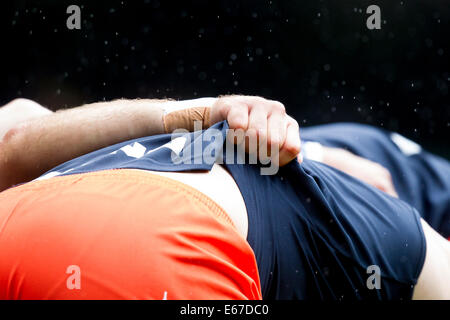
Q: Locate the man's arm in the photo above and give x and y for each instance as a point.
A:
(17, 111)
(34, 147)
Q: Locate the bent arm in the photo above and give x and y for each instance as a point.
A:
(37, 145)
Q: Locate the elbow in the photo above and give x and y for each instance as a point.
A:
(9, 162)
(5, 171)
(10, 135)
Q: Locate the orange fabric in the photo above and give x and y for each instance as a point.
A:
(132, 234)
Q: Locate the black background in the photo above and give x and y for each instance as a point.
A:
(317, 57)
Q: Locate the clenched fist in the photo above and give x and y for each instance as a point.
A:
(261, 120)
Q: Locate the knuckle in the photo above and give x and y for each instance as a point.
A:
(224, 107)
(278, 106)
(236, 122)
(294, 123)
(255, 101)
(20, 102)
(259, 99)
(264, 103)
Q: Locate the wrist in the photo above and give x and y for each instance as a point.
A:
(175, 106)
(187, 114)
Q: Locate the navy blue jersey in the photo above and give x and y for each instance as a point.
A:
(316, 232)
(420, 178)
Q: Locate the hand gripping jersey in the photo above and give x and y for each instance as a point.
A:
(316, 232)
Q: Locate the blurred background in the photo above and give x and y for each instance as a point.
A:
(317, 57)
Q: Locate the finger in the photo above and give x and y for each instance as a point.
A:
(237, 116)
(276, 130)
(257, 122)
(220, 109)
(238, 121)
(292, 145)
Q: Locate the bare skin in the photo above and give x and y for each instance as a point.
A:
(61, 136)
(368, 171)
(434, 279)
(54, 138)
(18, 111)
(57, 137)
(219, 185)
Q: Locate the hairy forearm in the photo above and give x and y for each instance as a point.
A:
(38, 145)
(35, 146)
